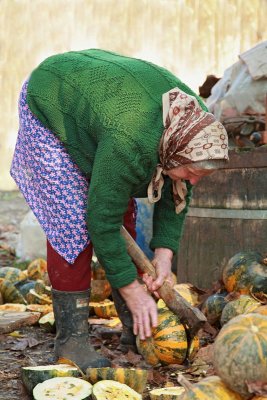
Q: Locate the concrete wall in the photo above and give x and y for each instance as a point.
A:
(192, 38)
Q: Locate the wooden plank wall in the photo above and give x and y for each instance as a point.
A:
(190, 37)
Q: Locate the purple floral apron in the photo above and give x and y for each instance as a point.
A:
(52, 184)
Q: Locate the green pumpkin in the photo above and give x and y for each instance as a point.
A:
(243, 305)
(245, 273)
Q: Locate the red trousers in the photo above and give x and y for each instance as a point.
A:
(77, 277)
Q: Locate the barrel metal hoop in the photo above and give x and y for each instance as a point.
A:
(226, 213)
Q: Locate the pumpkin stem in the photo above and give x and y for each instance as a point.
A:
(184, 382)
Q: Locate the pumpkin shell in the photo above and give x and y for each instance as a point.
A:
(13, 307)
(48, 322)
(134, 378)
(211, 388)
(104, 309)
(213, 306)
(37, 269)
(168, 393)
(243, 305)
(34, 298)
(240, 352)
(41, 308)
(246, 272)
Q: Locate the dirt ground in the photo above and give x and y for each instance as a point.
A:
(34, 346)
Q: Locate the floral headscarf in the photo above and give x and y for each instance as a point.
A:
(190, 135)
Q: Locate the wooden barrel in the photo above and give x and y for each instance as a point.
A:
(228, 214)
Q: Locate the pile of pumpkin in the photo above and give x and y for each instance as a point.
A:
(240, 348)
(25, 290)
(30, 290)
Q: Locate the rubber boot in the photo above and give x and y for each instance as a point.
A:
(127, 339)
(71, 311)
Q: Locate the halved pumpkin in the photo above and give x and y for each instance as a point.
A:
(135, 378)
(48, 322)
(110, 390)
(60, 388)
(104, 309)
(168, 393)
(31, 376)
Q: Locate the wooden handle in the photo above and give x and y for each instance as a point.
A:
(190, 316)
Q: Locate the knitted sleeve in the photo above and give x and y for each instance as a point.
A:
(167, 225)
(117, 171)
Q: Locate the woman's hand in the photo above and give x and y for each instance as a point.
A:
(162, 262)
(142, 307)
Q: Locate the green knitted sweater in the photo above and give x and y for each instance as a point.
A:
(107, 110)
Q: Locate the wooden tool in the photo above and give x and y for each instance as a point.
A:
(192, 318)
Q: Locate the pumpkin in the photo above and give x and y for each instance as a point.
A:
(213, 306)
(259, 398)
(110, 390)
(240, 352)
(98, 271)
(147, 350)
(67, 388)
(169, 338)
(10, 293)
(13, 307)
(243, 305)
(261, 310)
(134, 378)
(104, 309)
(168, 393)
(41, 308)
(34, 298)
(100, 290)
(193, 348)
(168, 341)
(37, 269)
(188, 292)
(31, 376)
(41, 288)
(48, 322)
(12, 274)
(25, 286)
(211, 388)
(246, 272)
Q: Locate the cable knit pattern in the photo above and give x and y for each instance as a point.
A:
(107, 110)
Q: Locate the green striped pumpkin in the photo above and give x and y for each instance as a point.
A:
(211, 388)
(169, 337)
(246, 272)
(168, 343)
(243, 305)
(10, 293)
(213, 306)
(12, 274)
(240, 352)
(133, 377)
